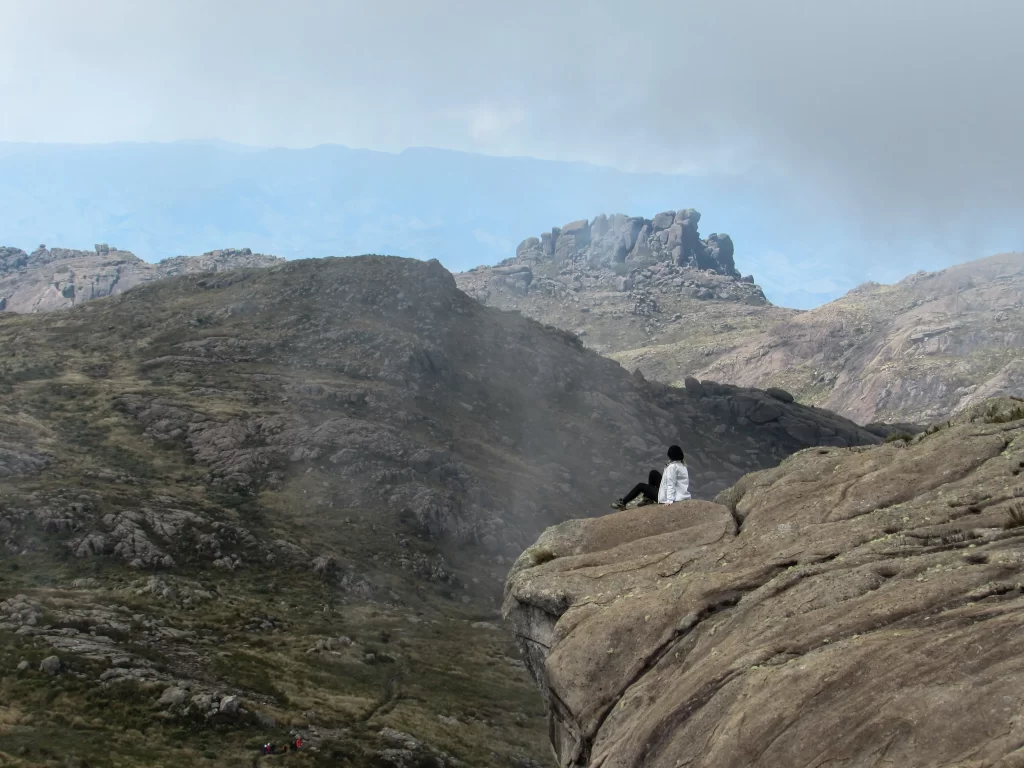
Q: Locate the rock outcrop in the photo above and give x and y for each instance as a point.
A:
(57, 278)
(618, 239)
(222, 260)
(626, 283)
(628, 254)
(848, 607)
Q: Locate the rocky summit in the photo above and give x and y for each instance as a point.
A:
(56, 278)
(625, 284)
(243, 506)
(620, 253)
(853, 606)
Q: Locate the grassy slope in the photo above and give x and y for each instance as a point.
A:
(60, 381)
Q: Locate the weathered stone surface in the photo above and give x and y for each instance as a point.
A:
(230, 706)
(694, 386)
(173, 697)
(529, 244)
(50, 665)
(780, 394)
(663, 221)
(848, 602)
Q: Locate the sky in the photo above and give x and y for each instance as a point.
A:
(901, 119)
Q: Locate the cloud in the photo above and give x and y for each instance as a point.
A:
(497, 245)
(485, 125)
(799, 283)
(901, 116)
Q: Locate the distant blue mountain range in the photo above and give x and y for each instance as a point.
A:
(161, 200)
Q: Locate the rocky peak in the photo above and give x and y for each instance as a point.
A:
(608, 241)
(625, 282)
(625, 254)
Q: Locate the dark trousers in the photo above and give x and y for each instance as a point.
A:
(648, 490)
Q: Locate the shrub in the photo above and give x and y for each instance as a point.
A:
(541, 555)
(905, 436)
(1015, 516)
(995, 416)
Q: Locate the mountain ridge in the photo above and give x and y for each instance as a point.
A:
(922, 349)
(627, 288)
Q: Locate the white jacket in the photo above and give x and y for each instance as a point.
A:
(675, 484)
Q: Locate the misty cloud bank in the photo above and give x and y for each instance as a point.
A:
(901, 118)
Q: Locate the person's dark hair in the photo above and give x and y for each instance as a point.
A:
(675, 453)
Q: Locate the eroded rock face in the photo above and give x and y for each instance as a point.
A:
(847, 605)
(56, 278)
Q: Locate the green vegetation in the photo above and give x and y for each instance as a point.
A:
(541, 555)
(376, 645)
(1015, 516)
(998, 413)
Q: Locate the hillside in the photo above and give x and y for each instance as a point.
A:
(851, 607)
(627, 283)
(920, 350)
(272, 501)
(57, 278)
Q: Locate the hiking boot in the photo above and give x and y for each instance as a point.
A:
(645, 501)
(619, 505)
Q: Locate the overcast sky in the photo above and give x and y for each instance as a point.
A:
(906, 113)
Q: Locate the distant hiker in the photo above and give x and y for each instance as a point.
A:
(648, 490)
(675, 484)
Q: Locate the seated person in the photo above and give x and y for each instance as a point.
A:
(675, 485)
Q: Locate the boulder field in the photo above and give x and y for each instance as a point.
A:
(852, 607)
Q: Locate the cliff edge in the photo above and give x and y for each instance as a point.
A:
(853, 606)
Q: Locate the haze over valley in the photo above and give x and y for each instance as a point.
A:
(586, 385)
